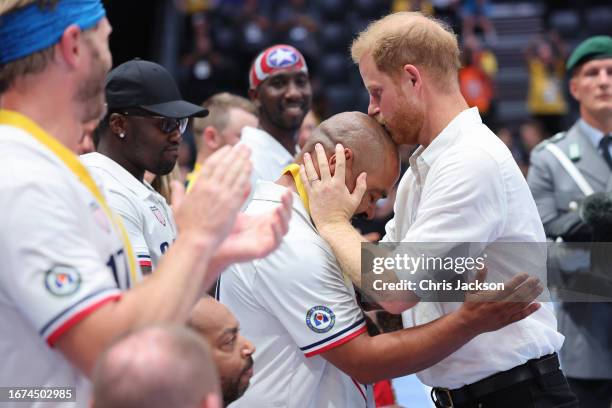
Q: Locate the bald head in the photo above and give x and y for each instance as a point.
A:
(369, 142)
(231, 352)
(208, 315)
(160, 366)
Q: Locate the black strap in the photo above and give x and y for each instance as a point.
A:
(605, 143)
(532, 369)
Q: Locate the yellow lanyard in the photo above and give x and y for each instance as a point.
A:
(294, 169)
(193, 176)
(71, 161)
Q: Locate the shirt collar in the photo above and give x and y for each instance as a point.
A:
(594, 135)
(271, 191)
(263, 140)
(121, 175)
(424, 157)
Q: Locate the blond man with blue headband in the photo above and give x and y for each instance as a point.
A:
(66, 260)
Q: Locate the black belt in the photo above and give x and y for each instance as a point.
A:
(445, 398)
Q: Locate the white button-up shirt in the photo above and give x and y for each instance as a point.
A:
(466, 187)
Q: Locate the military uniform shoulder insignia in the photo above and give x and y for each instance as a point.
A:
(559, 136)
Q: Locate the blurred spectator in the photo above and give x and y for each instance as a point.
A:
(194, 6)
(297, 25)
(228, 114)
(159, 366)
(232, 353)
(187, 155)
(424, 6)
(505, 134)
(531, 133)
(476, 76)
(448, 11)
(201, 65)
(477, 15)
(310, 122)
(546, 99)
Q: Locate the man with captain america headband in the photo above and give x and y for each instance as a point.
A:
(280, 88)
(66, 257)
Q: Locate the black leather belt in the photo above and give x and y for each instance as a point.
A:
(445, 398)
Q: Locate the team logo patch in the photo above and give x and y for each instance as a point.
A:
(320, 319)
(159, 215)
(62, 280)
(100, 217)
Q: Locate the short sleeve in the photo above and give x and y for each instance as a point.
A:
(54, 271)
(303, 287)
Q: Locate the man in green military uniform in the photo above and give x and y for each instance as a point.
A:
(566, 173)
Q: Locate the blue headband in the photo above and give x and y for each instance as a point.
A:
(32, 28)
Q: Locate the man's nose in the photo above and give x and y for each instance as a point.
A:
(373, 108)
(248, 349)
(293, 91)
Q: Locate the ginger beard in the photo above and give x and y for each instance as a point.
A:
(405, 121)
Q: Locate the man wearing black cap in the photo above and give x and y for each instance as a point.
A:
(569, 177)
(141, 131)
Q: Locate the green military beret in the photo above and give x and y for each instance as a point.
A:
(592, 48)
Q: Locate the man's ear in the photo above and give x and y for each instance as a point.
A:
(211, 138)
(348, 157)
(117, 124)
(70, 45)
(573, 88)
(411, 75)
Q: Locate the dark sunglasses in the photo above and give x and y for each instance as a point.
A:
(166, 125)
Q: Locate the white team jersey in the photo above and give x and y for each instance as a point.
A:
(268, 156)
(146, 215)
(294, 305)
(61, 260)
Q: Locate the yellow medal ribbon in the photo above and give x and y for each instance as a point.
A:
(294, 169)
(193, 176)
(71, 161)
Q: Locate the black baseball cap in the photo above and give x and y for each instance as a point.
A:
(148, 86)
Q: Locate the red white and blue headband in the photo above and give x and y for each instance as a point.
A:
(274, 59)
(32, 28)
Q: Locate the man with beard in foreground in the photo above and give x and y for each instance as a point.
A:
(63, 250)
(232, 353)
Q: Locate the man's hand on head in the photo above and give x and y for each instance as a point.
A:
(329, 199)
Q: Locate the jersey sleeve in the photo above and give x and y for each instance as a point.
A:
(134, 225)
(54, 271)
(303, 287)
